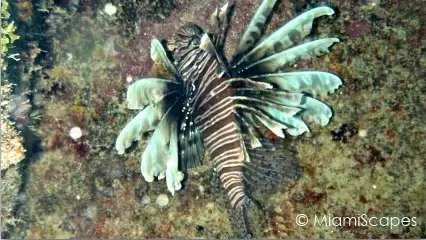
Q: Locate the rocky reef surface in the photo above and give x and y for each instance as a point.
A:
(78, 57)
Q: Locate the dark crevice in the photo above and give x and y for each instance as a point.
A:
(33, 37)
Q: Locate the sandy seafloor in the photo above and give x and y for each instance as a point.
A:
(76, 62)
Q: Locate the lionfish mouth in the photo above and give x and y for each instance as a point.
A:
(230, 109)
(171, 44)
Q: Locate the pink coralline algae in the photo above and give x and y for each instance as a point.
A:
(356, 28)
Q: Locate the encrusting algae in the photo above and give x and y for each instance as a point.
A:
(12, 150)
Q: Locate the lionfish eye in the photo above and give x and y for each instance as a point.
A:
(194, 42)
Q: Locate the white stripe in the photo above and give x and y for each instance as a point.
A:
(234, 201)
(232, 174)
(225, 141)
(194, 73)
(213, 109)
(225, 156)
(223, 130)
(226, 153)
(223, 85)
(188, 59)
(212, 121)
(230, 163)
(206, 80)
(235, 190)
(231, 177)
(221, 142)
(226, 159)
(204, 59)
(230, 182)
(219, 115)
(207, 75)
(229, 158)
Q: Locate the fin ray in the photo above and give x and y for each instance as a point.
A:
(271, 166)
(313, 82)
(146, 120)
(148, 91)
(191, 146)
(303, 51)
(160, 156)
(311, 109)
(159, 55)
(286, 36)
(255, 28)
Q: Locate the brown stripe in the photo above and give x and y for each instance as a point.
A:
(238, 200)
(210, 86)
(217, 126)
(235, 185)
(207, 61)
(231, 169)
(228, 146)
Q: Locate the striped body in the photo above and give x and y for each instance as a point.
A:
(209, 103)
(229, 108)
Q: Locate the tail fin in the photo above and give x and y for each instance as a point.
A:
(243, 220)
(272, 166)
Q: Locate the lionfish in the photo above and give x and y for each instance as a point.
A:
(224, 107)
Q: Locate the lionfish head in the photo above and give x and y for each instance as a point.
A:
(187, 38)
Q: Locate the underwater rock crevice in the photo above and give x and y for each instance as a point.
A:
(34, 48)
